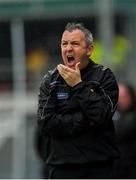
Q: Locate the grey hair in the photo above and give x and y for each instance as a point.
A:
(88, 35)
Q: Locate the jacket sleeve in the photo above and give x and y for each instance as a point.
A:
(97, 100)
(55, 122)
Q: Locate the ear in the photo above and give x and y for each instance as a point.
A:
(90, 50)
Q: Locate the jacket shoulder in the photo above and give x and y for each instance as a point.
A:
(100, 67)
(103, 69)
(50, 73)
(99, 71)
(104, 76)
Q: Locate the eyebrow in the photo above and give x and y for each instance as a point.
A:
(74, 41)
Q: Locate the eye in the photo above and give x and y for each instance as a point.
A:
(63, 43)
(75, 43)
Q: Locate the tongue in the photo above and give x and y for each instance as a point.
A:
(71, 62)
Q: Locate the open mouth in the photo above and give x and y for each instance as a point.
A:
(71, 60)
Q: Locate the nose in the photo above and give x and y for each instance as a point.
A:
(69, 47)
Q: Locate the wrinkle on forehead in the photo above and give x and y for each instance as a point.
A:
(73, 35)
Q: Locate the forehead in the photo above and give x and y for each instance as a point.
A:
(76, 34)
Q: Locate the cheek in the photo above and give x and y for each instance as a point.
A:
(63, 52)
(80, 52)
(83, 53)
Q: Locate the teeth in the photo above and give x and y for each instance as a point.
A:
(69, 56)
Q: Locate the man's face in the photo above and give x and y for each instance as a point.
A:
(125, 100)
(74, 49)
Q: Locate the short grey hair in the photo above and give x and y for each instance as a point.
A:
(88, 35)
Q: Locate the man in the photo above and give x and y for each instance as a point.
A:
(76, 103)
(125, 126)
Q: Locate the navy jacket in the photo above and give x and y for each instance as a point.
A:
(76, 122)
